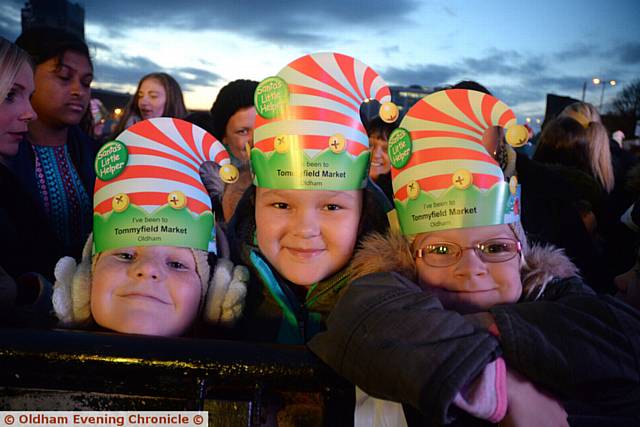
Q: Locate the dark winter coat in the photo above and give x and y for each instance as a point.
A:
(396, 342)
(550, 215)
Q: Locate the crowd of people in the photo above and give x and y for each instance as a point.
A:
(449, 276)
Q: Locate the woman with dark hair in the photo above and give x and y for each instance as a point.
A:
(157, 95)
(54, 163)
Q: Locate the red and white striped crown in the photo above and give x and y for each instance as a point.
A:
(161, 157)
(446, 131)
(325, 93)
(442, 175)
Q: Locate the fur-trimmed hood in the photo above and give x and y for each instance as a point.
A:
(392, 252)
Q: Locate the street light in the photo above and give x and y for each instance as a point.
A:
(596, 81)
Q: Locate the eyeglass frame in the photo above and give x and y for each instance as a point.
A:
(476, 248)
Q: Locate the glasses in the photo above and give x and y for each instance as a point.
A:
(445, 254)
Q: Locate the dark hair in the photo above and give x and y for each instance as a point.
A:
(233, 97)
(44, 43)
(564, 141)
(471, 85)
(380, 128)
(201, 119)
(173, 105)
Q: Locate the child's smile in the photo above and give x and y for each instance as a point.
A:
(307, 235)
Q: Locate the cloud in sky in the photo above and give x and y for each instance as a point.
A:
(431, 43)
(629, 53)
(292, 22)
(421, 74)
(124, 70)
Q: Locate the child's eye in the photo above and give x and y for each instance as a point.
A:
(86, 82)
(280, 205)
(125, 256)
(439, 249)
(495, 248)
(177, 265)
(332, 207)
(242, 132)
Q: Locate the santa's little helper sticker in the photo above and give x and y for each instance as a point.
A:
(399, 147)
(111, 160)
(271, 97)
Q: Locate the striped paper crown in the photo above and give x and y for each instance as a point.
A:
(443, 177)
(308, 132)
(148, 190)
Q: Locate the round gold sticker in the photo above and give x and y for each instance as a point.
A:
(413, 190)
(389, 112)
(462, 179)
(281, 144)
(337, 143)
(177, 200)
(517, 135)
(120, 202)
(229, 174)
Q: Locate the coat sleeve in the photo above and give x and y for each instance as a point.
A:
(579, 345)
(396, 342)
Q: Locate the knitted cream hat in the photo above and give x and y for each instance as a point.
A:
(308, 132)
(442, 175)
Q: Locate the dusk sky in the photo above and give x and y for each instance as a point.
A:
(519, 50)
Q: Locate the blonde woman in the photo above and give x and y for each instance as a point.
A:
(16, 87)
(598, 142)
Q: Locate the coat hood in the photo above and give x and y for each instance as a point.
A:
(391, 252)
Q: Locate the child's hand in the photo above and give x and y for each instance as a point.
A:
(530, 406)
(483, 319)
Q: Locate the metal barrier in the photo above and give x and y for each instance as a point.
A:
(239, 383)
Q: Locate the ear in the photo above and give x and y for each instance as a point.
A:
(226, 295)
(72, 289)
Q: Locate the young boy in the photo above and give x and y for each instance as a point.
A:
(146, 270)
(297, 227)
(464, 245)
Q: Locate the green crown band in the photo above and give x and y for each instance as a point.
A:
(165, 226)
(326, 171)
(456, 208)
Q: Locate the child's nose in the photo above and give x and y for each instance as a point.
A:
(147, 268)
(470, 264)
(306, 224)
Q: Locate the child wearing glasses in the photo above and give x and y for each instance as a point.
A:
(408, 328)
